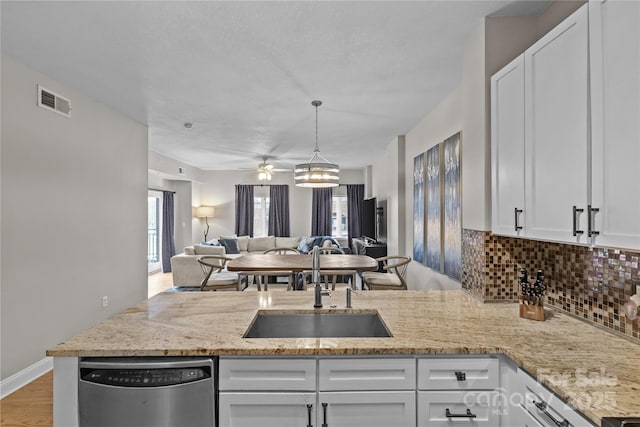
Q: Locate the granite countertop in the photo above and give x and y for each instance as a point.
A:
(581, 363)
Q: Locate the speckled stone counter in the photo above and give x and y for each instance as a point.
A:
(572, 358)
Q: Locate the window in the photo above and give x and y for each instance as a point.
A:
(339, 217)
(260, 216)
(154, 200)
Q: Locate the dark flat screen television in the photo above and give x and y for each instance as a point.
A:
(368, 219)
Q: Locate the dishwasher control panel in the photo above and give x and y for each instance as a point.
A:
(144, 377)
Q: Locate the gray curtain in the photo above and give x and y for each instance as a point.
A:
(279, 211)
(168, 240)
(355, 196)
(321, 211)
(244, 210)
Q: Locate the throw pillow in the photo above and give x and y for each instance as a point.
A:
(261, 244)
(243, 243)
(230, 245)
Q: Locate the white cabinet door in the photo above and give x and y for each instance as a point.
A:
(547, 408)
(556, 131)
(367, 408)
(266, 409)
(507, 149)
(615, 117)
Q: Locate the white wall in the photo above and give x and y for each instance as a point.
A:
(387, 183)
(217, 189)
(73, 216)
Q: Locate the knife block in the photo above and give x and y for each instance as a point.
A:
(530, 309)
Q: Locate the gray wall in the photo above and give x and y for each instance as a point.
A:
(73, 216)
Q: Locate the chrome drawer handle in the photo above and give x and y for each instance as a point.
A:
(542, 406)
(448, 414)
(461, 376)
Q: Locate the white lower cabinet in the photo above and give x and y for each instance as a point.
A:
(419, 391)
(545, 407)
(266, 409)
(520, 417)
(367, 408)
(458, 408)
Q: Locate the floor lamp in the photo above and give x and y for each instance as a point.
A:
(205, 212)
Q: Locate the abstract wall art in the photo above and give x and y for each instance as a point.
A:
(452, 207)
(434, 208)
(418, 208)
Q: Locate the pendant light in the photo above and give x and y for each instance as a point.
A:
(318, 172)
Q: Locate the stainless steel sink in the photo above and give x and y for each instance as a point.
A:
(276, 324)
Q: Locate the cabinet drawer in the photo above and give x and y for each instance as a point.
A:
(458, 374)
(545, 406)
(433, 406)
(266, 409)
(267, 374)
(367, 374)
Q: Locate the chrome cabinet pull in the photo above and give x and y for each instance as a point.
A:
(576, 211)
(468, 414)
(461, 376)
(517, 211)
(324, 415)
(309, 410)
(542, 406)
(590, 212)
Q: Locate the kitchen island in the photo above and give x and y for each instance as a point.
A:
(582, 364)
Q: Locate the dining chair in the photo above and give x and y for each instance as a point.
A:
(331, 276)
(216, 277)
(262, 277)
(394, 277)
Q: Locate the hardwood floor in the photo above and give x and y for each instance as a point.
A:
(32, 405)
(159, 282)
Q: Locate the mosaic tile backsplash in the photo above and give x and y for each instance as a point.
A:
(591, 283)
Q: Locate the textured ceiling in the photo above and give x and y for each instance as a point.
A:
(245, 73)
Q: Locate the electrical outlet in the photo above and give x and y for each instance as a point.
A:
(105, 301)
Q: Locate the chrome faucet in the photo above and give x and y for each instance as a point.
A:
(315, 277)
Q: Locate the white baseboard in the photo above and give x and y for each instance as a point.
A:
(25, 376)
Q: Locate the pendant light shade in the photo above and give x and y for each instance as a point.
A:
(318, 172)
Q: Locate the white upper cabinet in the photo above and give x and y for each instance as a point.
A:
(614, 36)
(556, 132)
(507, 149)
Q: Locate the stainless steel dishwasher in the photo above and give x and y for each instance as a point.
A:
(147, 392)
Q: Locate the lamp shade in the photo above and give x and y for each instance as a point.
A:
(204, 211)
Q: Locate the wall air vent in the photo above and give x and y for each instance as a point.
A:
(53, 102)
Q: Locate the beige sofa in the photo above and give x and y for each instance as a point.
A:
(187, 271)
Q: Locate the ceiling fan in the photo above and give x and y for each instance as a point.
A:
(265, 170)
